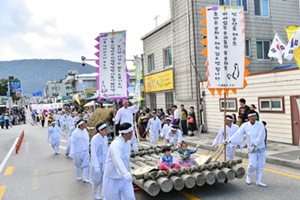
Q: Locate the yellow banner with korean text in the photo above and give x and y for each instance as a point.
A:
(160, 81)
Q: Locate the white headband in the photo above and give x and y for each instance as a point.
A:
(228, 118)
(80, 123)
(251, 114)
(173, 129)
(127, 130)
(103, 126)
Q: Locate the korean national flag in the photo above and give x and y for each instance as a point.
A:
(277, 48)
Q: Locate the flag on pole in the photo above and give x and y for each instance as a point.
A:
(293, 43)
(290, 30)
(138, 70)
(277, 48)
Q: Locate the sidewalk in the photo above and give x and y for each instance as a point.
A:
(277, 153)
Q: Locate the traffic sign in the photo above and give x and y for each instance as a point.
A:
(15, 85)
(18, 90)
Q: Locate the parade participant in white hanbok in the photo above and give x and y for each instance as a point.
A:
(56, 117)
(125, 115)
(69, 151)
(69, 121)
(99, 148)
(174, 136)
(230, 130)
(80, 149)
(54, 134)
(255, 134)
(166, 129)
(117, 181)
(154, 128)
(62, 121)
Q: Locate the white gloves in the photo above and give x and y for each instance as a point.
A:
(97, 169)
(128, 177)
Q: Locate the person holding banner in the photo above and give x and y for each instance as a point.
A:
(117, 180)
(255, 133)
(80, 149)
(99, 148)
(230, 130)
(125, 115)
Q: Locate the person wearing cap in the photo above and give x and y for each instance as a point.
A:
(166, 129)
(253, 107)
(255, 134)
(99, 148)
(54, 134)
(80, 149)
(125, 115)
(230, 130)
(174, 136)
(154, 128)
(167, 161)
(117, 180)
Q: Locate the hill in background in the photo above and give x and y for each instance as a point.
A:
(34, 73)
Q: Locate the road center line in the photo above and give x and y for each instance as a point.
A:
(8, 155)
(189, 196)
(2, 190)
(9, 170)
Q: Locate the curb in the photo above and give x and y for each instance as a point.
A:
(270, 159)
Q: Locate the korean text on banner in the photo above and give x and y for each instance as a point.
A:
(160, 81)
(112, 65)
(225, 46)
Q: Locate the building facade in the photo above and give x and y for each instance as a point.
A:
(175, 45)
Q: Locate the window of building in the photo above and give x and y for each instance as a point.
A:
(56, 88)
(153, 101)
(225, 2)
(261, 7)
(248, 49)
(231, 104)
(243, 3)
(271, 104)
(167, 57)
(263, 47)
(169, 99)
(68, 87)
(151, 63)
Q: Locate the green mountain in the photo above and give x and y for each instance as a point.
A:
(34, 73)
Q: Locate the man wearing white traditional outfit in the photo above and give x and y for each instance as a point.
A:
(62, 121)
(54, 134)
(99, 148)
(255, 135)
(166, 129)
(125, 115)
(117, 181)
(174, 136)
(230, 130)
(154, 128)
(69, 151)
(80, 149)
(69, 121)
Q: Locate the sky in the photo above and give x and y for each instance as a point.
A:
(66, 29)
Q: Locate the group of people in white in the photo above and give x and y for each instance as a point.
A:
(111, 165)
(97, 163)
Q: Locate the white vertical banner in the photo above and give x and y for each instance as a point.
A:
(138, 69)
(112, 66)
(225, 46)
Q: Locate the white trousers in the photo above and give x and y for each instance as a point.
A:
(81, 160)
(117, 189)
(55, 142)
(153, 136)
(230, 152)
(257, 161)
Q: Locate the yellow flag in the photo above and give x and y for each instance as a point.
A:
(77, 98)
(290, 30)
(297, 56)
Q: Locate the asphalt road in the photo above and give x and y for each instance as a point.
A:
(37, 174)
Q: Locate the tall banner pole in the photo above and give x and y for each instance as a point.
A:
(225, 105)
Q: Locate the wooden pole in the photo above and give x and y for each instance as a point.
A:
(225, 105)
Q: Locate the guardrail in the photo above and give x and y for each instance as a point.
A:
(20, 140)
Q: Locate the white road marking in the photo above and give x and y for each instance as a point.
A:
(8, 155)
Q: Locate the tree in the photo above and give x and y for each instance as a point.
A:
(3, 88)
